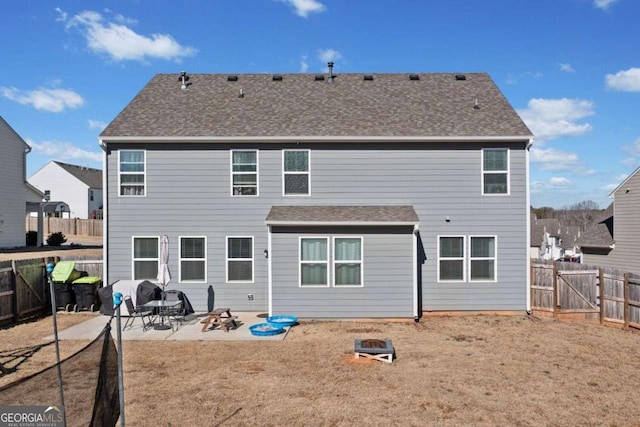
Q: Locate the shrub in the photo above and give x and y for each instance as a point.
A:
(56, 239)
(32, 238)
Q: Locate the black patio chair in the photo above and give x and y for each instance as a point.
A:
(177, 312)
(137, 312)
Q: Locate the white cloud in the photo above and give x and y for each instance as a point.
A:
(121, 43)
(566, 67)
(626, 81)
(550, 159)
(555, 118)
(303, 64)
(305, 7)
(329, 55)
(513, 79)
(64, 151)
(603, 4)
(53, 100)
(97, 124)
(559, 181)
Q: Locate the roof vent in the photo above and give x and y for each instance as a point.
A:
(367, 77)
(414, 77)
(331, 76)
(277, 78)
(461, 77)
(232, 78)
(319, 77)
(184, 79)
(241, 94)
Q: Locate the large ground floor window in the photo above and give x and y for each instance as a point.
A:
(343, 258)
(456, 261)
(239, 259)
(145, 258)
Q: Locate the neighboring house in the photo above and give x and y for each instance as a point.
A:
(551, 240)
(17, 197)
(348, 196)
(615, 239)
(79, 186)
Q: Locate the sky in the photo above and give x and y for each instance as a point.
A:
(570, 68)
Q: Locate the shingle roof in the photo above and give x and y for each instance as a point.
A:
(568, 234)
(390, 105)
(91, 177)
(600, 233)
(352, 215)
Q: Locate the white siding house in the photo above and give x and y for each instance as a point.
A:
(79, 187)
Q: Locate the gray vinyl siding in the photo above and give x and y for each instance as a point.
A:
(626, 230)
(188, 193)
(14, 192)
(387, 266)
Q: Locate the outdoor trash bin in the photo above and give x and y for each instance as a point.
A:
(86, 293)
(65, 299)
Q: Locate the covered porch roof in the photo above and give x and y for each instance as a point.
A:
(343, 215)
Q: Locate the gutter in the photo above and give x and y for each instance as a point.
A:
(105, 215)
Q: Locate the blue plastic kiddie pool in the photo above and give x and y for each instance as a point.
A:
(284, 321)
(265, 329)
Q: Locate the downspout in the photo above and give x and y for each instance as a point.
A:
(105, 215)
(416, 317)
(269, 274)
(528, 233)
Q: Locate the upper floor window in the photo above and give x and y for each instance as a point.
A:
(495, 171)
(239, 259)
(193, 259)
(295, 168)
(145, 258)
(244, 172)
(132, 172)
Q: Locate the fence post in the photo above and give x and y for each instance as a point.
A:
(601, 289)
(626, 300)
(555, 288)
(14, 287)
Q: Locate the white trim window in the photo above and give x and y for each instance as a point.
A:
(244, 172)
(296, 166)
(451, 259)
(145, 257)
(239, 259)
(482, 258)
(495, 171)
(193, 259)
(132, 172)
(347, 261)
(314, 261)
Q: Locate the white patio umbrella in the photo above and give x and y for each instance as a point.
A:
(163, 272)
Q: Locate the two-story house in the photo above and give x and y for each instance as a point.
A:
(79, 186)
(323, 196)
(17, 197)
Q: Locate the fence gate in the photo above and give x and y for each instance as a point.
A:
(578, 291)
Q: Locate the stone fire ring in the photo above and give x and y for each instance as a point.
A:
(375, 349)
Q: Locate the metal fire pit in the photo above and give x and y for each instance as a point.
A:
(376, 349)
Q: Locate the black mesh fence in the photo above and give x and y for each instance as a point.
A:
(89, 381)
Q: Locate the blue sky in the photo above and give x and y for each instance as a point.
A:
(571, 68)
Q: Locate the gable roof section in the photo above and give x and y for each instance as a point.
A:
(257, 106)
(623, 183)
(342, 215)
(89, 176)
(600, 233)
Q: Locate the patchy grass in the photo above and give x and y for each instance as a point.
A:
(477, 370)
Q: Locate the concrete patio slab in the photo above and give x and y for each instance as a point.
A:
(189, 330)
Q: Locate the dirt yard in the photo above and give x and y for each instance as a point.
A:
(476, 370)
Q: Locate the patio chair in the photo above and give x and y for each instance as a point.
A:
(137, 312)
(178, 311)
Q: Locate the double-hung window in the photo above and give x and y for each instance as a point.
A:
(347, 261)
(295, 169)
(495, 171)
(244, 172)
(145, 258)
(131, 171)
(451, 256)
(239, 259)
(193, 259)
(314, 261)
(482, 258)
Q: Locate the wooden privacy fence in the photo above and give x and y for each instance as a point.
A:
(24, 289)
(581, 291)
(75, 226)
